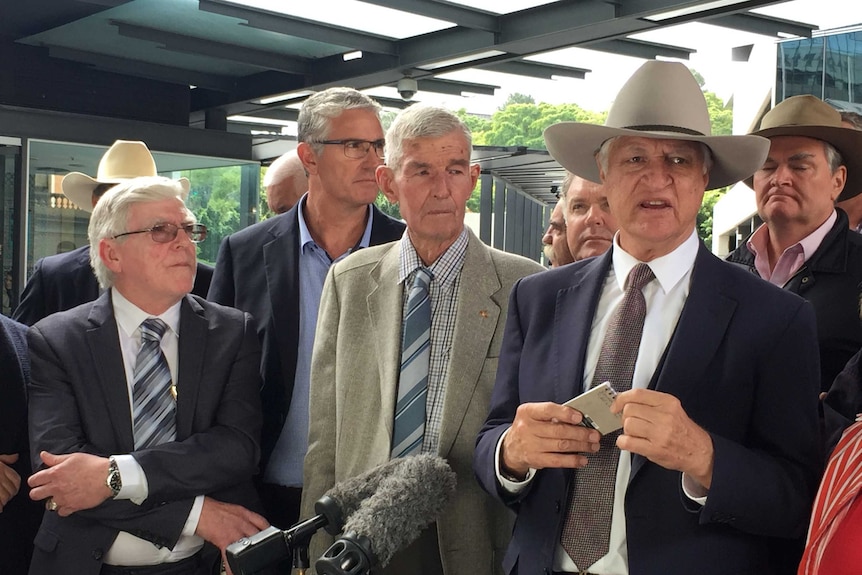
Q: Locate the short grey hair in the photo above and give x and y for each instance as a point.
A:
(605, 149)
(111, 214)
(421, 121)
(567, 183)
(852, 118)
(833, 157)
(319, 109)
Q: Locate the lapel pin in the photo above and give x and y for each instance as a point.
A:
(174, 392)
(484, 313)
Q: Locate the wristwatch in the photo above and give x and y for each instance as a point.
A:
(114, 481)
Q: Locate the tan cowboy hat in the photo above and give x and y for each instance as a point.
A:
(123, 161)
(661, 100)
(811, 117)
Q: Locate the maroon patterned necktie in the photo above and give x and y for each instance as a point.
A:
(587, 529)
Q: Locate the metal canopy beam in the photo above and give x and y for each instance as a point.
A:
(452, 87)
(158, 72)
(466, 17)
(536, 69)
(640, 49)
(193, 45)
(300, 28)
(760, 24)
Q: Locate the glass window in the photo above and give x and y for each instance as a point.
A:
(800, 68)
(843, 71)
(224, 196)
(10, 152)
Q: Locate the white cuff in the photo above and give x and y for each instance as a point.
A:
(135, 487)
(513, 487)
(694, 490)
(194, 516)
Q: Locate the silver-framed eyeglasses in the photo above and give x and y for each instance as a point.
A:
(357, 149)
(166, 233)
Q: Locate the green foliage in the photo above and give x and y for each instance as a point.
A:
(720, 114)
(518, 98)
(387, 207)
(704, 216)
(214, 199)
(522, 124)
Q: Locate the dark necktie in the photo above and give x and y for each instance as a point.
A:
(154, 411)
(586, 532)
(409, 429)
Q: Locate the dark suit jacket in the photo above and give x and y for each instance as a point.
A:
(20, 517)
(743, 363)
(79, 402)
(831, 280)
(63, 281)
(257, 270)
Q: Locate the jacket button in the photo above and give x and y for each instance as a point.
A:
(557, 506)
(97, 554)
(805, 280)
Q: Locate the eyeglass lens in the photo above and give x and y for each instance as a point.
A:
(164, 233)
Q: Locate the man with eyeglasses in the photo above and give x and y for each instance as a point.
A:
(275, 270)
(144, 405)
(63, 281)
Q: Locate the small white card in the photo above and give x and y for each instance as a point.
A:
(595, 405)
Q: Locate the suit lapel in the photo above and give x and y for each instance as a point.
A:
(103, 341)
(702, 324)
(573, 318)
(281, 266)
(192, 349)
(476, 321)
(384, 309)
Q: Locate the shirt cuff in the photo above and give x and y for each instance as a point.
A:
(135, 487)
(694, 490)
(511, 485)
(194, 516)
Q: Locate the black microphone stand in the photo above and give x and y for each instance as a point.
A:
(252, 554)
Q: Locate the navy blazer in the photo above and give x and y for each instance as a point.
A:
(20, 517)
(257, 271)
(79, 402)
(66, 280)
(743, 362)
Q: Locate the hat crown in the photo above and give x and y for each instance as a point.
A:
(125, 160)
(804, 110)
(661, 97)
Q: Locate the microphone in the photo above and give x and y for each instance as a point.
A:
(252, 554)
(406, 502)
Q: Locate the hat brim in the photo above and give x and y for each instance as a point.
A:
(79, 188)
(848, 142)
(574, 145)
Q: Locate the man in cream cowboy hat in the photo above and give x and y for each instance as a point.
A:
(717, 461)
(805, 244)
(63, 281)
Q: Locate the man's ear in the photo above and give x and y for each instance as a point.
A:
(109, 255)
(308, 158)
(475, 170)
(386, 183)
(839, 180)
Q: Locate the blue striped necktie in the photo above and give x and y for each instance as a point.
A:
(154, 411)
(415, 357)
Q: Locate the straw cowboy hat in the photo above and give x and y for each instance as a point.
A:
(811, 117)
(123, 161)
(661, 100)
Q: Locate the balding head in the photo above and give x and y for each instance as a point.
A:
(285, 182)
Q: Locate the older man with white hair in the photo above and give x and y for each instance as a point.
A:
(144, 407)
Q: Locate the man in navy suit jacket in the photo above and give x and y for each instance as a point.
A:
(275, 270)
(718, 459)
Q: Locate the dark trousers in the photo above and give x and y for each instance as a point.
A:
(190, 566)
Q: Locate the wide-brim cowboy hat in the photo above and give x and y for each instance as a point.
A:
(123, 161)
(661, 100)
(811, 117)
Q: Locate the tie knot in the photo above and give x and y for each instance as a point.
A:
(153, 329)
(423, 278)
(640, 276)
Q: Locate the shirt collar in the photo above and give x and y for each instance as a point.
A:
(305, 234)
(668, 269)
(130, 317)
(757, 243)
(445, 269)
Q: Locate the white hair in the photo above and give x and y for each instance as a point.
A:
(421, 121)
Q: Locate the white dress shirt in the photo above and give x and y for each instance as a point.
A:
(127, 549)
(665, 299)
